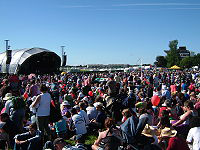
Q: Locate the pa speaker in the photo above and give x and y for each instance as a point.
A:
(8, 56)
(64, 60)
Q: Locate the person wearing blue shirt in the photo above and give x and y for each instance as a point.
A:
(183, 86)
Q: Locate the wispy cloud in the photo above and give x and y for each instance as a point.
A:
(110, 9)
(184, 8)
(119, 7)
(77, 6)
(156, 4)
(145, 9)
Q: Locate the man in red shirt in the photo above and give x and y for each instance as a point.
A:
(170, 140)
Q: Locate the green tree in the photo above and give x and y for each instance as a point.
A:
(173, 58)
(187, 62)
(161, 61)
(197, 60)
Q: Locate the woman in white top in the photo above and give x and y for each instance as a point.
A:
(189, 113)
(43, 109)
(193, 136)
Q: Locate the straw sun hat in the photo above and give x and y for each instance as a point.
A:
(149, 131)
(7, 96)
(168, 132)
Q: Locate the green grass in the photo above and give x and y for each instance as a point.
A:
(89, 140)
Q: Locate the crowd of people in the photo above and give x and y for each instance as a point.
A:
(147, 109)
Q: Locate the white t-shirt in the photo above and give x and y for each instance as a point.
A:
(79, 124)
(44, 105)
(194, 136)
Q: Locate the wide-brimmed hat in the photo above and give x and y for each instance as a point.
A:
(149, 131)
(168, 132)
(7, 96)
(65, 103)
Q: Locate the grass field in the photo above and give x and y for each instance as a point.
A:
(89, 140)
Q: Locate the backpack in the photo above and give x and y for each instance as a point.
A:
(17, 103)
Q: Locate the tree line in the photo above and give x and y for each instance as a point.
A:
(173, 58)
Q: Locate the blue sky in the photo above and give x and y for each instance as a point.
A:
(101, 31)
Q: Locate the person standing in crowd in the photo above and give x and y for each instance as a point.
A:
(8, 103)
(33, 90)
(15, 108)
(5, 88)
(112, 91)
(43, 110)
(123, 94)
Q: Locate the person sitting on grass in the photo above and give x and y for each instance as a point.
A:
(109, 123)
(29, 140)
(61, 127)
(61, 144)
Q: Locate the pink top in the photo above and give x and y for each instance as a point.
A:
(173, 88)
